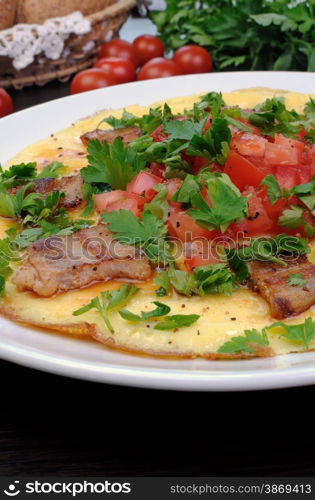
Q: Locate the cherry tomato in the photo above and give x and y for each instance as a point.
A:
(159, 67)
(122, 69)
(90, 79)
(148, 47)
(193, 59)
(6, 103)
(119, 48)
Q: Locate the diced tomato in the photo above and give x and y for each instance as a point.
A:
(173, 185)
(157, 169)
(200, 253)
(102, 200)
(242, 171)
(129, 204)
(279, 154)
(249, 144)
(149, 195)
(185, 228)
(139, 199)
(287, 176)
(273, 210)
(258, 222)
(142, 182)
(158, 135)
(207, 124)
(198, 164)
(293, 144)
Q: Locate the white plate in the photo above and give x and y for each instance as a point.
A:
(85, 360)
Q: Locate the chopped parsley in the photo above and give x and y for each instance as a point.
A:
(296, 280)
(247, 343)
(109, 302)
(114, 165)
(149, 233)
(228, 205)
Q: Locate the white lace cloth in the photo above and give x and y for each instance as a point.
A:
(23, 42)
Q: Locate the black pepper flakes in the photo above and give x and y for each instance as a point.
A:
(233, 319)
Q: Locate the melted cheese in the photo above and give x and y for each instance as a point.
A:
(221, 317)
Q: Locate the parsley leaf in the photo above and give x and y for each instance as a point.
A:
(52, 170)
(246, 343)
(17, 174)
(159, 205)
(184, 193)
(213, 144)
(296, 280)
(160, 310)
(109, 302)
(6, 255)
(115, 165)
(163, 281)
(265, 249)
(272, 117)
(227, 205)
(303, 333)
(204, 280)
(274, 191)
(184, 130)
(177, 321)
(148, 233)
(292, 217)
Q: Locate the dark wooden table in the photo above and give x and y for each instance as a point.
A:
(54, 425)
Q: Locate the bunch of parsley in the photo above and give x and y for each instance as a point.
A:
(243, 34)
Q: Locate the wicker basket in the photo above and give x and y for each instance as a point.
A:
(105, 25)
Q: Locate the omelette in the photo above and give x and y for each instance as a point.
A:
(180, 230)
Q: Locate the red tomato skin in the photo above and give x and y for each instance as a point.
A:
(119, 48)
(273, 210)
(129, 204)
(157, 169)
(102, 200)
(158, 135)
(193, 59)
(258, 221)
(185, 228)
(123, 69)
(242, 171)
(91, 79)
(159, 67)
(148, 47)
(142, 182)
(6, 103)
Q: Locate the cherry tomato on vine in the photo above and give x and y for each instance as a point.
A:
(119, 48)
(122, 69)
(148, 47)
(193, 59)
(6, 103)
(90, 79)
(159, 67)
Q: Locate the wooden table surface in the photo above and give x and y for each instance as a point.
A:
(58, 426)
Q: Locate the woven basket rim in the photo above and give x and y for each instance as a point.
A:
(111, 10)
